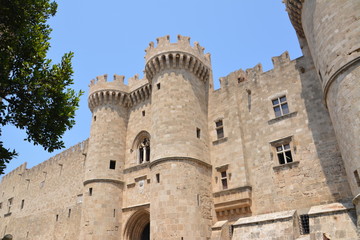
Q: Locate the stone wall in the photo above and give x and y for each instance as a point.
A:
(52, 198)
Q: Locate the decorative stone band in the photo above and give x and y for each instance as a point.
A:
(179, 159)
(103, 180)
(118, 98)
(294, 7)
(176, 60)
(349, 65)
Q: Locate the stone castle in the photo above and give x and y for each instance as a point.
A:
(269, 155)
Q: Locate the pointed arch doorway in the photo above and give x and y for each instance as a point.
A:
(138, 226)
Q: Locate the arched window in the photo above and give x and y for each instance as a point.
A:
(144, 151)
(141, 147)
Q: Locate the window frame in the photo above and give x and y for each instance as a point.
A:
(287, 141)
(219, 135)
(280, 104)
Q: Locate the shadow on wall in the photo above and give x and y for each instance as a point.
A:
(323, 134)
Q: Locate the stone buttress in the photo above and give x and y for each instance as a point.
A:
(103, 183)
(180, 170)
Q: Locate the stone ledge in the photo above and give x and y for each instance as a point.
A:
(103, 180)
(286, 166)
(136, 168)
(232, 190)
(129, 208)
(332, 207)
(286, 116)
(179, 159)
(219, 141)
(277, 216)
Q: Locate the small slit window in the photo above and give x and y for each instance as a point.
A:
(69, 213)
(143, 113)
(224, 182)
(357, 178)
(158, 86)
(158, 177)
(112, 164)
(22, 204)
(90, 191)
(219, 129)
(198, 131)
(57, 217)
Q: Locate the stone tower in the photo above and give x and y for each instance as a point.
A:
(103, 183)
(179, 74)
(329, 31)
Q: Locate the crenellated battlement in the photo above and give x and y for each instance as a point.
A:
(117, 92)
(177, 55)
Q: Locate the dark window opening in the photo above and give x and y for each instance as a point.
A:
(219, 129)
(304, 224)
(112, 164)
(143, 113)
(158, 86)
(158, 177)
(69, 213)
(357, 178)
(22, 204)
(94, 118)
(224, 182)
(114, 213)
(57, 217)
(198, 132)
(280, 106)
(90, 191)
(144, 151)
(284, 153)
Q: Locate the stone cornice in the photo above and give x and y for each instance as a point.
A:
(177, 60)
(118, 97)
(294, 8)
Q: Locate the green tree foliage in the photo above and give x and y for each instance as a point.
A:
(34, 93)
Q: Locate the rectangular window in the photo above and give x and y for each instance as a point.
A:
(280, 106)
(283, 153)
(69, 213)
(22, 204)
(158, 86)
(57, 217)
(198, 132)
(219, 129)
(158, 177)
(10, 202)
(90, 191)
(0, 205)
(304, 224)
(112, 164)
(357, 178)
(224, 182)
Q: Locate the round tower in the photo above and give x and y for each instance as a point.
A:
(103, 183)
(180, 205)
(331, 29)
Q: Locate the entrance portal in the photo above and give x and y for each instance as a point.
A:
(146, 233)
(138, 226)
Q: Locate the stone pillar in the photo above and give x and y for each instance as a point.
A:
(180, 205)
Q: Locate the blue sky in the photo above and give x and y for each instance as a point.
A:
(110, 37)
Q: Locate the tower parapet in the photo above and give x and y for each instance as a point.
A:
(116, 92)
(177, 55)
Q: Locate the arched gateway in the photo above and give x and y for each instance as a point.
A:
(138, 226)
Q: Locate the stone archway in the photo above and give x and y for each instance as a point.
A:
(138, 226)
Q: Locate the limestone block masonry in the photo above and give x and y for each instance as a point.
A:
(269, 155)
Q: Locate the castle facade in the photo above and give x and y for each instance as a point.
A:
(269, 155)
